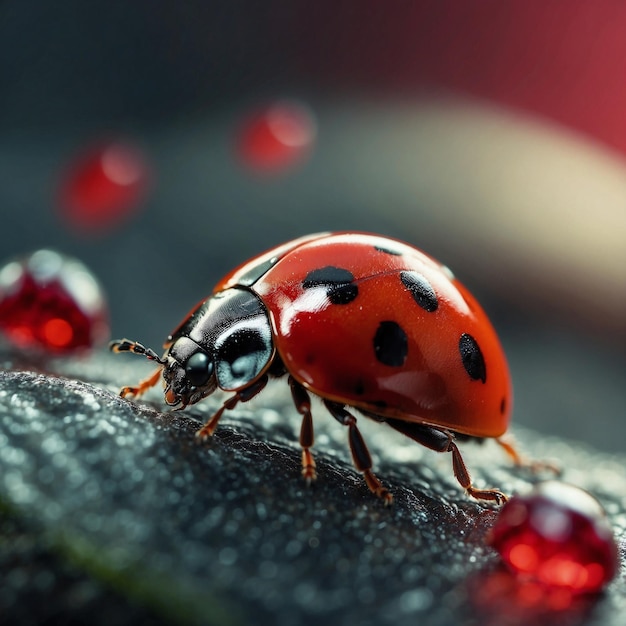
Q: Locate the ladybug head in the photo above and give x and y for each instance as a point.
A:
(188, 372)
(225, 342)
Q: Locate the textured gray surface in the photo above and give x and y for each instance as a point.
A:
(112, 509)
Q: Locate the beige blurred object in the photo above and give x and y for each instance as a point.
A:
(537, 210)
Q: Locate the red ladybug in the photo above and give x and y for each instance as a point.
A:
(361, 321)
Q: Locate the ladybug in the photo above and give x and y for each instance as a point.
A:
(362, 321)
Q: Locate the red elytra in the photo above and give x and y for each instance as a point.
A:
(52, 303)
(276, 137)
(103, 187)
(557, 535)
(325, 347)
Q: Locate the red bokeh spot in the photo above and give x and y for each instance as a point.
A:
(51, 303)
(559, 536)
(103, 187)
(276, 137)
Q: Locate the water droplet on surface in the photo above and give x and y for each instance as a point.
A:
(557, 535)
(52, 303)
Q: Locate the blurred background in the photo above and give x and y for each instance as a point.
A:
(163, 143)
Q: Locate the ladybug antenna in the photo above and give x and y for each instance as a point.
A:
(125, 345)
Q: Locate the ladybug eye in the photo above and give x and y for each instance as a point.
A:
(199, 369)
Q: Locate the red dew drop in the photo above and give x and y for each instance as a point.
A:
(52, 303)
(103, 187)
(557, 535)
(277, 137)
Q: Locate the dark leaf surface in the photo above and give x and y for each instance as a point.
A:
(112, 509)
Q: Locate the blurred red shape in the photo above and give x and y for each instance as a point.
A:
(103, 187)
(276, 137)
(557, 535)
(52, 303)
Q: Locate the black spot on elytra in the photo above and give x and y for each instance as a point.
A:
(339, 284)
(391, 344)
(472, 357)
(503, 406)
(421, 290)
(359, 388)
(254, 273)
(388, 250)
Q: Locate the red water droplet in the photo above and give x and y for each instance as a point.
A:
(557, 535)
(103, 187)
(277, 137)
(52, 303)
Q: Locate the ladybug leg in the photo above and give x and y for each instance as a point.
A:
(303, 405)
(143, 385)
(125, 345)
(508, 445)
(243, 395)
(462, 475)
(360, 454)
(441, 440)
